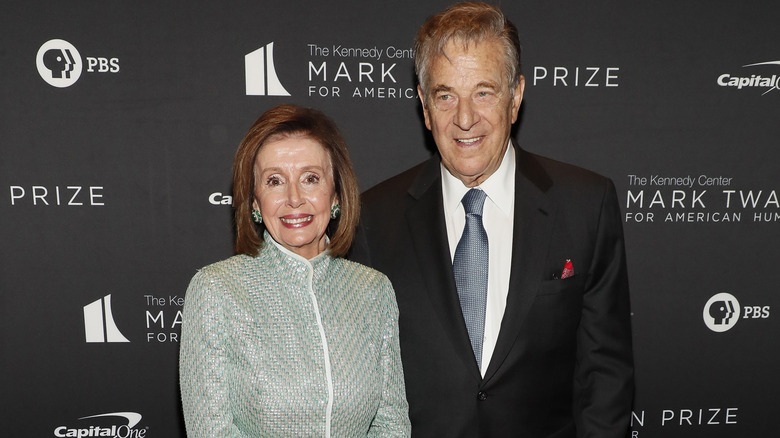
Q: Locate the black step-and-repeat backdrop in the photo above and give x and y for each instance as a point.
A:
(120, 120)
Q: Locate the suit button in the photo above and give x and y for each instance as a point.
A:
(481, 396)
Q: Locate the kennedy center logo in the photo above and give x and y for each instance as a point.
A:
(261, 78)
(99, 325)
(59, 63)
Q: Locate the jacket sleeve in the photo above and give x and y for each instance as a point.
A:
(604, 378)
(392, 417)
(202, 360)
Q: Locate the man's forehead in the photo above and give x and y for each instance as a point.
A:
(468, 45)
(474, 57)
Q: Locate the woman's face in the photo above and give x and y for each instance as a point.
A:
(294, 191)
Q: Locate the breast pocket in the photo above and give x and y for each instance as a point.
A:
(571, 285)
(557, 307)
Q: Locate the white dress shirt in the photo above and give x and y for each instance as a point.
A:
(497, 218)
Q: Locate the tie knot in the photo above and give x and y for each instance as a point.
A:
(473, 201)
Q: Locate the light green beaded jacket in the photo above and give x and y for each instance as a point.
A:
(280, 346)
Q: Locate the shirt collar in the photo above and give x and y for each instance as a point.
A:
(499, 187)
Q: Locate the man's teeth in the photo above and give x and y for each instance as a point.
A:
(469, 140)
(297, 220)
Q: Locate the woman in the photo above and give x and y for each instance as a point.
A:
(288, 338)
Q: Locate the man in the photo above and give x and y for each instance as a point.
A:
(513, 297)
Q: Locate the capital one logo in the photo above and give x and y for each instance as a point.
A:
(112, 430)
(754, 80)
(261, 78)
(99, 325)
(59, 63)
(721, 312)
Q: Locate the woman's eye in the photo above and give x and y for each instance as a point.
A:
(273, 181)
(312, 179)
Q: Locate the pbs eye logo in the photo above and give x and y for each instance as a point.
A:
(59, 63)
(723, 310)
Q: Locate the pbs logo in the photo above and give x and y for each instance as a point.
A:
(59, 63)
(722, 312)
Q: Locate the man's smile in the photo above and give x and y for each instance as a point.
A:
(469, 141)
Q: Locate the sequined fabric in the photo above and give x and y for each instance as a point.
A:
(278, 346)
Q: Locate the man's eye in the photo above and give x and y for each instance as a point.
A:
(445, 101)
(486, 98)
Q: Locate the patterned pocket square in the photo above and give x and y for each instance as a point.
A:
(568, 270)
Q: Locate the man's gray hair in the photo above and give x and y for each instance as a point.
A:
(467, 23)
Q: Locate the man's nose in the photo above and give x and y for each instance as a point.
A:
(465, 115)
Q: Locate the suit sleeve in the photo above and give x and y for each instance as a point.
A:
(392, 417)
(202, 358)
(604, 378)
(359, 251)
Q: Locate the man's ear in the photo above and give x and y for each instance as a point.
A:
(517, 99)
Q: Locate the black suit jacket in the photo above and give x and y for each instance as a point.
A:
(562, 365)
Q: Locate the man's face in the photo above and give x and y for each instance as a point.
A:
(470, 109)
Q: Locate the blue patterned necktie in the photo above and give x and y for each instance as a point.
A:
(470, 266)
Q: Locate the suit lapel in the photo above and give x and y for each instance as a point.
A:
(425, 218)
(532, 230)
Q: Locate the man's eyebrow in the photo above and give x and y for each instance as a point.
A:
(439, 88)
(488, 84)
(484, 84)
